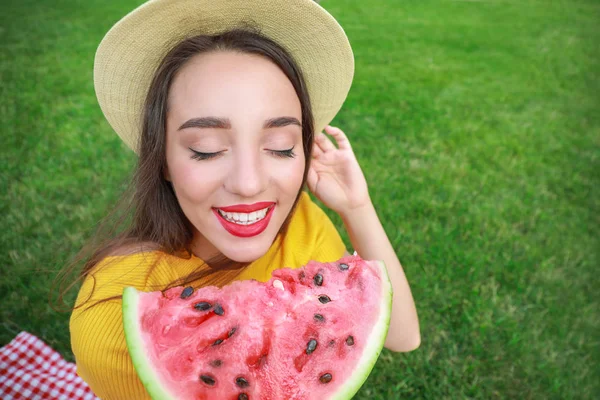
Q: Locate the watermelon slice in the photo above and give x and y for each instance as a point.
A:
(308, 333)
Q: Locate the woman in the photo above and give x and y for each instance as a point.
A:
(228, 96)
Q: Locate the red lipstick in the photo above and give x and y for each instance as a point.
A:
(245, 230)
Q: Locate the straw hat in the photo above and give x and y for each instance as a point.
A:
(129, 54)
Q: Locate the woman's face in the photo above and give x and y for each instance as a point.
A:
(234, 151)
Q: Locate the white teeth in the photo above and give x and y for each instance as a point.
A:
(244, 218)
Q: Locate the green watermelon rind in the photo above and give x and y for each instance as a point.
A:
(375, 341)
(157, 390)
(135, 344)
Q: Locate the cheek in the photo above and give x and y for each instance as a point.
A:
(290, 178)
(194, 181)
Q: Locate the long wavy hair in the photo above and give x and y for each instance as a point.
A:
(148, 217)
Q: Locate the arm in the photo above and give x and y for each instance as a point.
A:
(371, 243)
(101, 354)
(336, 179)
(97, 337)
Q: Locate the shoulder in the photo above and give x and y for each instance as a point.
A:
(129, 262)
(117, 270)
(311, 235)
(310, 220)
(307, 212)
(133, 248)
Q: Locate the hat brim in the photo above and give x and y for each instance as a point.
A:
(131, 51)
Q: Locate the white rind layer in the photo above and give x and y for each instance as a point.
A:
(375, 341)
(135, 344)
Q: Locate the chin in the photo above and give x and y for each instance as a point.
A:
(247, 250)
(245, 255)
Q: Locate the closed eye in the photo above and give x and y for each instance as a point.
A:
(289, 153)
(197, 155)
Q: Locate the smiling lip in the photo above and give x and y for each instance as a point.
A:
(250, 230)
(247, 208)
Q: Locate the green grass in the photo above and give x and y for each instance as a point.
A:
(478, 126)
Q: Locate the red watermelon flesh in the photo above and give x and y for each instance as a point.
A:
(308, 333)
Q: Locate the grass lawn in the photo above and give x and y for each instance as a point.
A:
(478, 126)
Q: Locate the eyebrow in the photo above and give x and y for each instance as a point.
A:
(281, 121)
(224, 123)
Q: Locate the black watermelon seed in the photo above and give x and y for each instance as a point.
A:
(216, 363)
(218, 342)
(209, 380)
(331, 343)
(187, 292)
(350, 340)
(202, 306)
(319, 317)
(243, 396)
(231, 332)
(241, 382)
(325, 378)
(218, 309)
(318, 279)
(344, 267)
(311, 346)
(324, 299)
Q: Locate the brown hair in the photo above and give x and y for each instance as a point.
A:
(148, 216)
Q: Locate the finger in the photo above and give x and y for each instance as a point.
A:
(312, 179)
(325, 159)
(340, 137)
(316, 150)
(324, 143)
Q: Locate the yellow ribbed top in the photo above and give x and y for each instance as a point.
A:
(97, 337)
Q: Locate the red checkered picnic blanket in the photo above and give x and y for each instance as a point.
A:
(31, 370)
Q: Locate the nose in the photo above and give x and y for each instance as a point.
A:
(247, 177)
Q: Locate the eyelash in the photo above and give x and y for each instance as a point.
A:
(203, 156)
(289, 153)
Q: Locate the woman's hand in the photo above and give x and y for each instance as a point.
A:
(335, 176)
